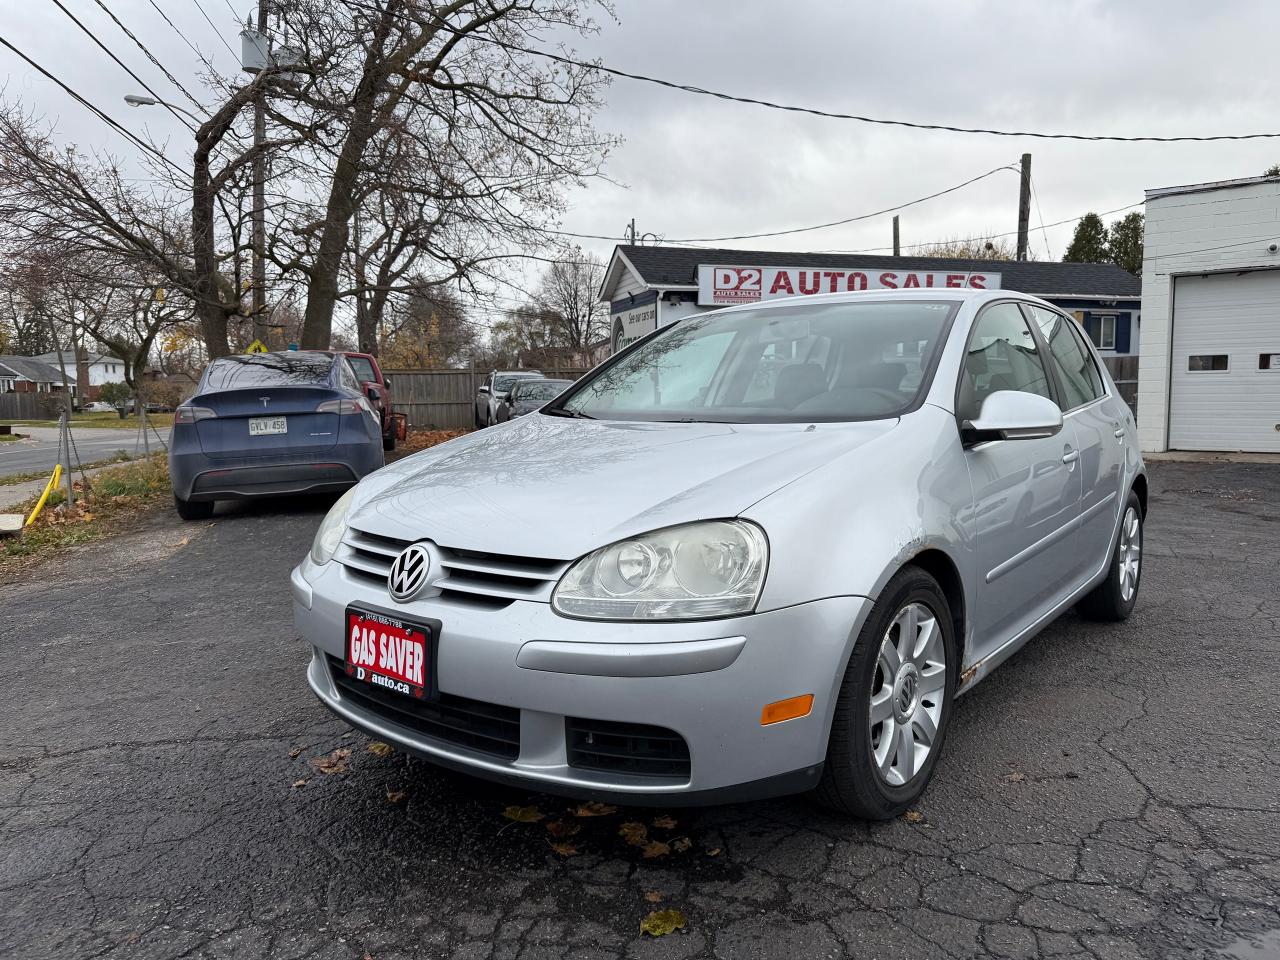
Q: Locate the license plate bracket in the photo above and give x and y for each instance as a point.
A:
(392, 652)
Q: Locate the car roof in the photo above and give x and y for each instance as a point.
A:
(867, 296)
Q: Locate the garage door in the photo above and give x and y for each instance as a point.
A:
(1226, 363)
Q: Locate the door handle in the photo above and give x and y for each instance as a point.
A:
(1071, 456)
(1120, 434)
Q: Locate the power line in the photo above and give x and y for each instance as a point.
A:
(194, 48)
(1043, 232)
(122, 64)
(215, 28)
(89, 106)
(792, 108)
(150, 56)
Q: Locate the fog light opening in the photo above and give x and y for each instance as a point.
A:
(790, 709)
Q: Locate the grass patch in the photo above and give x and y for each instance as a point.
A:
(115, 497)
(160, 421)
(10, 437)
(120, 456)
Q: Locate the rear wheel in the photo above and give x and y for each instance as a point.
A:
(892, 712)
(388, 441)
(193, 509)
(1114, 598)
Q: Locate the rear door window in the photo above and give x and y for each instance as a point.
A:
(1081, 382)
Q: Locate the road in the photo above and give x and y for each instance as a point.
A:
(41, 451)
(1110, 792)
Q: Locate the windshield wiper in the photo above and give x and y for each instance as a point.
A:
(572, 414)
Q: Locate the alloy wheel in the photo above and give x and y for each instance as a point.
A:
(1129, 556)
(907, 694)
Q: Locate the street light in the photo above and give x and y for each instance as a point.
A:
(133, 100)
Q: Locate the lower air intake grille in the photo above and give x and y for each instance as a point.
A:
(627, 748)
(483, 727)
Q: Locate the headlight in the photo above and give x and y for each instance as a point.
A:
(696, 571)
(331, 529)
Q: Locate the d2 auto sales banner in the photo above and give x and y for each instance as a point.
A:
(721, 286)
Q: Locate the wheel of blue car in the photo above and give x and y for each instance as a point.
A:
(894, 705)
(193, 509)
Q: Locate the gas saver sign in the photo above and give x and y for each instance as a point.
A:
(724, 285)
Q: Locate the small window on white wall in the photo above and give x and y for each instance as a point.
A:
(1107, 333)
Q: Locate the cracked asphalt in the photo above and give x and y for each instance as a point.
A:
(1111, 791)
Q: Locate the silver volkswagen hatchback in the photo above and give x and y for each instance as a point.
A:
(758, 552)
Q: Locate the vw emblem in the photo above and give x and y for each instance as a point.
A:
(409, 573)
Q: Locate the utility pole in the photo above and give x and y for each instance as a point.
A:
(1024, 207)
(260, 327)
(897, 247)
(631, 232)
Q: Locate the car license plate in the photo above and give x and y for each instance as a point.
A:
(266, 426)
(388, 652)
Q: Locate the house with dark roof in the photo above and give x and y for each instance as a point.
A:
(29, 375)
(651, 286)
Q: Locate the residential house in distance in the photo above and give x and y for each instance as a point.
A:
(29, 375)
(95, 370)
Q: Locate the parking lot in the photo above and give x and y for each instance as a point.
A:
(1109, 792)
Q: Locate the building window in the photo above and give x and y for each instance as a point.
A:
(1206, 362)
(1107, 332)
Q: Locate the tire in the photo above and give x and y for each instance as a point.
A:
(1113, 599)
(854, 782)
(388, 443)
(193, 509)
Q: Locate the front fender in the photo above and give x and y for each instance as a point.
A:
(848, 527)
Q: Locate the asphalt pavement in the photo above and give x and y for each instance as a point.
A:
(1113, 791)
(40, 452)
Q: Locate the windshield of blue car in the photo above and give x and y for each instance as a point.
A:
(267, 370)
(794, 364)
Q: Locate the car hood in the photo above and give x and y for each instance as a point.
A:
(558, 488)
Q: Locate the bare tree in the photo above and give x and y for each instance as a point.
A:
(570, 290)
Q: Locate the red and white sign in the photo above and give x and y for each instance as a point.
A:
(724, 285)
(386, 652)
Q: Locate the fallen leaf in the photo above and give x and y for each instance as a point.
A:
(336, 762)
(380, 749)
(565, 849)
(659, 923)
(713, 852)
(294, 752)
(681, 844)
(656, 848)
(1016, 777)
(184, 541)
(636, 834)
(397, 797)
(653, 896)
(593, 808)
(664, 823)
(913, 816)
(297, 784)
(523, 814)
(562, 828)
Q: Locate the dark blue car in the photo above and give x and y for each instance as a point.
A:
(270, 424)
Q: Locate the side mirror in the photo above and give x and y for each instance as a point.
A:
(1013, 415)
(386, 382)
(484, 388)
(370, 390)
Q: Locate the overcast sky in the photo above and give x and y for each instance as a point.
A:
(694, 166)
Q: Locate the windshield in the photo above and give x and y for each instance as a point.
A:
(503, 384)
(540, 391)
(838, 361)
(267, 370)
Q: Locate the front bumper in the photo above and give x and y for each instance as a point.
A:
(705, 681)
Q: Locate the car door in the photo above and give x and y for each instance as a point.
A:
(1026, 491)
(1100, 420)
(482, 398)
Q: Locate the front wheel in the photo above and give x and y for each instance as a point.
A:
(193, 509)
(894, 705)
(1113, 599)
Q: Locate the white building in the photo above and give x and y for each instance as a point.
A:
(102, 368)
(1209, 368)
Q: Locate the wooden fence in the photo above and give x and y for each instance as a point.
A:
(1124, 371)
(24, 406)
(445, 399)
